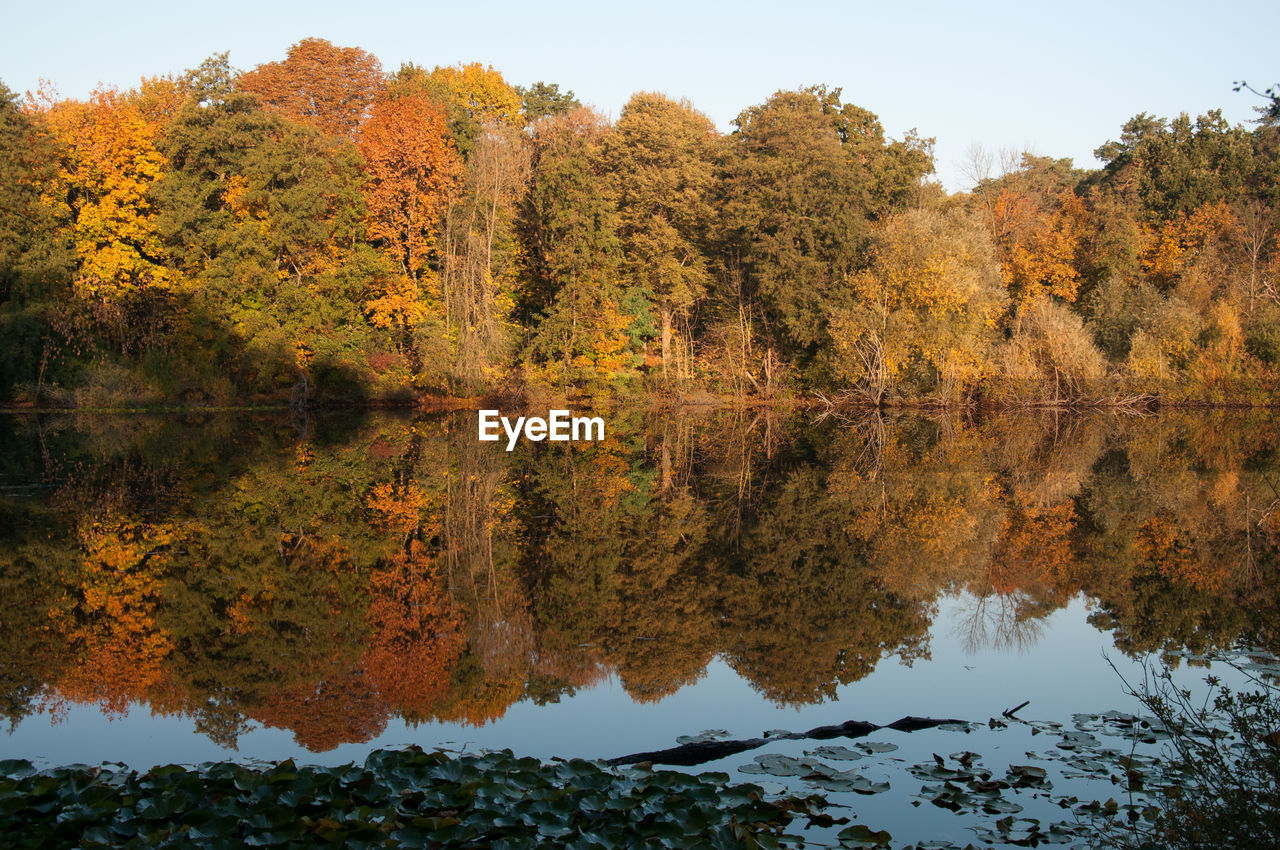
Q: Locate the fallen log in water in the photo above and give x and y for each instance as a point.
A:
(701, 752)
(687, 755)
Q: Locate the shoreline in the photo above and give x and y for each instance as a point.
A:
(445, 404)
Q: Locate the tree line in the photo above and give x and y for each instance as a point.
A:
(317, 228)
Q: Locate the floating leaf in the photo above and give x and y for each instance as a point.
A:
(859, 835)
(836, 752)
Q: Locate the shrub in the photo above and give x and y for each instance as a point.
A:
(1050, 357)
(1227, 750)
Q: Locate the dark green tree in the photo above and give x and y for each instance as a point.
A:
(660, 158)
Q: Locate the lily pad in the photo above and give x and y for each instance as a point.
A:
(703, 737)
(838, 753)
(859, 835)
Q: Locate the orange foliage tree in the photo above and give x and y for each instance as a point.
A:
(1171, 246)
(412, 167)
(1039, 244)
(332, 88)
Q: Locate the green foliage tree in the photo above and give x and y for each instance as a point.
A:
(261, 216)
(36, 253)
(543, 99)
(574, 255)
(792, 217)
(660, 157)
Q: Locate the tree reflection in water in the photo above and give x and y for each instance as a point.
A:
(236, 571)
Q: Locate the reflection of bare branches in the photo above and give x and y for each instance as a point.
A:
(999, 621)
(1250, 570)
(504, 645)
(871, 458)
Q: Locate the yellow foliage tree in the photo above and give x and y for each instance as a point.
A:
(482, 92)
(1169, 248)
(928, 303)
(109, 163)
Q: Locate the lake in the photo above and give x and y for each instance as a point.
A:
(185, 588)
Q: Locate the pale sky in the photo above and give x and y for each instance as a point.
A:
(1056, 79)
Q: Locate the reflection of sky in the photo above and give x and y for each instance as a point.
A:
(1064, 671)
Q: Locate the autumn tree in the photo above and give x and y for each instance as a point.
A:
(412, 170)
(260, 214)
(921, 319)
(479, 97)
(1039, 227)
(108, 166)
(570, 232)
(1254, 236)
(477, 239)
(331, 88)
(661, 158)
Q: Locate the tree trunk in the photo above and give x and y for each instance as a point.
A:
(666, 339)
(666, 462)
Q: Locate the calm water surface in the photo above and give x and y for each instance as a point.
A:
(196, 588)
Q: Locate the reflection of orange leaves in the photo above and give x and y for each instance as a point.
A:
(342, 708)
(577, 667)
(120, 669)
(120, 646)
(417, 634)
(486, 702)
(240, 614)
(396, 509)
(1162, 540)
(609, 470)
(655, 670)
(1035, 549)
(391, 443)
